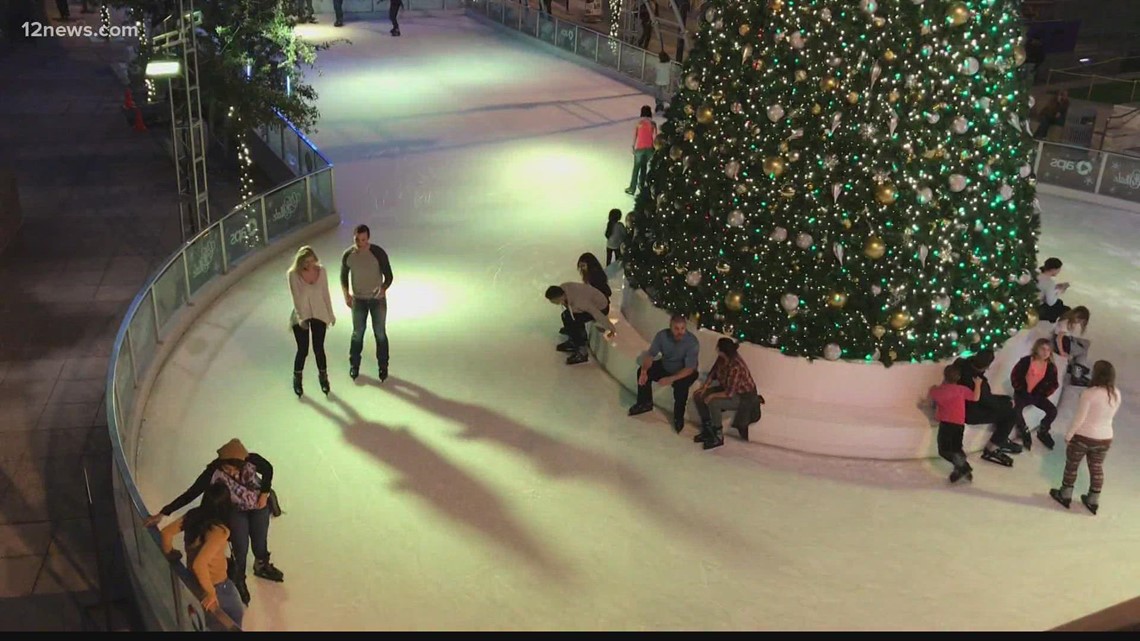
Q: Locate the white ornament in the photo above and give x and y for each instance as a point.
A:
(1024, 278)
(925, 195)
(736, 218)
(893, 123)
(917, 1)
(1032, 101)
(1005, 192)
(789, 302)
(960, 125)
(971, 66)
(775, 113)
(942, 302)
(876, 70)
(825, 14)
(693, 278)
(732, 169)
(1036, 206)
(1014, 121)
(952, 335)
(932, 118)
(984, 102)
(869, 6)
(779, 234)
(923, 252)
(836, 189)
(803, 240)
(835, 119)
(832, 352)
(796, 39)
(1024, 171)
(957, 182)
(876, 290)
(837, 249)
(796, 133)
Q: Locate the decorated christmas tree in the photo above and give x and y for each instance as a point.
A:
(847, 179)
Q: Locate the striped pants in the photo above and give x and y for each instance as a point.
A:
(1096, 451)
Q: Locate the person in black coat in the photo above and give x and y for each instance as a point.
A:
(250, 479)
(995, 409)
(1034, 380)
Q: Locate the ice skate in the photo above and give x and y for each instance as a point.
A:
(1058, 497)
(1045, 438)
(395, 32)
(997, 456)
(1092, 507)
(298, 388)
(324, 379)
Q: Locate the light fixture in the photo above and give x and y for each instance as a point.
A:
(163, 69)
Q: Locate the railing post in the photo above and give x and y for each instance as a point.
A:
(134, 362)
(1037, 160)
(154, 311)
(619, 48)
(1100, 174)
(264, 222)
(644, 55)
(308, 198)
(186, 274)
(222, 240)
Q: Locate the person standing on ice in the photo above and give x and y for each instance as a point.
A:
(644, 133)
(394, 7)
(950, 409)
(367, 269)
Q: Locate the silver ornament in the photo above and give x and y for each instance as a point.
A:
(789, 301)
(832, 352)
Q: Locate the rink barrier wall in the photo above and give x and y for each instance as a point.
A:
(849, 409)
(175, 295)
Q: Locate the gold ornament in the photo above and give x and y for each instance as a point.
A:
(878, 331)
(1018, 55)
(957, 14)
(1032, 318)
(975, 338)
(893, 96)
(723, 268)
(734, 301)
(659, 142)
(900, 320)
(676, 152)
(744, 29)
(793, 155)
(705, 115)
(773, 165)
(689, 109)
(718, 96)
(885, 193)
(660, 248)
(788, 191)
(679, 268)
(879, 21)
(816, 109)
(847, 223)
(784, 147)
(776, 6)
(690, 135)
(874, 248)
(837, 299)
(852, 97)
(889, 56)
(801, 75)
(828, 83)
(893, 355)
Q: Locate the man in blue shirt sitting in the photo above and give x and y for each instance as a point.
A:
(677, 366)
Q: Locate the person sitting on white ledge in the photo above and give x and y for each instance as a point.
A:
(729, 386)
(582, 304)
(679, 351)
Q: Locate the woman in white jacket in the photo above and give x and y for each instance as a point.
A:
(1090, 435)
(312, 314)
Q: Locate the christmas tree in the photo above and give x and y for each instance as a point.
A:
(846, 179)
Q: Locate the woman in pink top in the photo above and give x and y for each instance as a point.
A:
(1034, 380)
(643, 136)
(1091, 435)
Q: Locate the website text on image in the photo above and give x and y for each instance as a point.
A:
(40, 30)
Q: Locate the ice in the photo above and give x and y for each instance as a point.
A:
(488, 486)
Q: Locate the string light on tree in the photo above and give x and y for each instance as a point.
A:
(854, 187)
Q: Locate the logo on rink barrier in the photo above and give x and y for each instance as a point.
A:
(1082, 167)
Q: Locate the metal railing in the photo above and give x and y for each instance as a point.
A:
(169, 596)
(588, 44)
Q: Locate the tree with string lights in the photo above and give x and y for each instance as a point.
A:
(846, 180)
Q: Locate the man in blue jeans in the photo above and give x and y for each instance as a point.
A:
(678, 350)
(367, 268)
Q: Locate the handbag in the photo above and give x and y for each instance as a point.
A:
(274, 504)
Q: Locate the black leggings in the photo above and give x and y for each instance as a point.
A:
(612, 254)
(302, 335)
(393, 9)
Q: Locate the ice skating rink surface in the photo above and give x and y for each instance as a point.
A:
(488, 486)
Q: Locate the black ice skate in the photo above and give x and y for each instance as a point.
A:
(1026, 438)
(263, 569)
(1058, 497)
(395, 32)
(1009, 447)
(298, 389)
(1045, 438)
(577, 358)
(960, 473)
(1092, 507)
(997, 456)
(567, 346)
(383, 373)
(324, 379)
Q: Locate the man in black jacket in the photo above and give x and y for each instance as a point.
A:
(990, 408)
(250, 478)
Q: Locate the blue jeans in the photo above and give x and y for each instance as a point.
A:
(230, 601)
(362, 308)
(248, 526)
(338, 9)
(640, 167)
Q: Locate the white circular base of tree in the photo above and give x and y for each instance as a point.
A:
(835, 408)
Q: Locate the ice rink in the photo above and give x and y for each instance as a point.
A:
(488, 486)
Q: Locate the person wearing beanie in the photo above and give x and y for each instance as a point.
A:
(249, 478)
